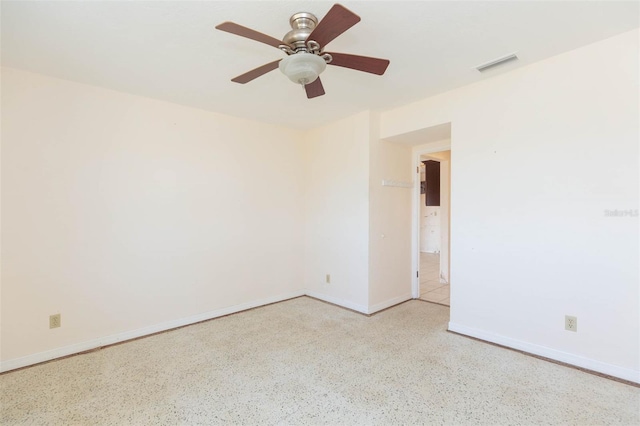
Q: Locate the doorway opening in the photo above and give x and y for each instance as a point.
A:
(434, 218)
(431, 226)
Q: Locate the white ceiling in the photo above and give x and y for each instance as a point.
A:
(170, 50)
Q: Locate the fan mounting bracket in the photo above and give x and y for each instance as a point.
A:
(302, 24)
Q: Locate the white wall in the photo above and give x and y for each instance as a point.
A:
(124, 213)
(430, 235)
(548, 147)
(347, 212)
(390, 223)
(337, 212)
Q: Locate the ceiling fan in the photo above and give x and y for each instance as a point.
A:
(304, 46)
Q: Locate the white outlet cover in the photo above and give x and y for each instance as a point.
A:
(570, 323)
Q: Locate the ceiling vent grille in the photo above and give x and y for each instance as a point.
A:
(498, 61)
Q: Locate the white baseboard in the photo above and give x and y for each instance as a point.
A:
(589, 364)
(388, 303)
(36, 358)
(344, 303)
(556, 355)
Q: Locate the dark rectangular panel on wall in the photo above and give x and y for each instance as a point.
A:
(432, 178)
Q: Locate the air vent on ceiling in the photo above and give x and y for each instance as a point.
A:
(498, 61)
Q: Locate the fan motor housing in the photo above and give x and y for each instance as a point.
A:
(303, 24)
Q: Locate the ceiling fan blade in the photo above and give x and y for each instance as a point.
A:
(255, 73)
(314, 89)
(236, 29)
(361, 63)
(338, 20)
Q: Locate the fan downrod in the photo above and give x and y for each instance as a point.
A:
(302, 24)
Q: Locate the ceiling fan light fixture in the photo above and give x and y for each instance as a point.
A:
(302, 67)
(304, 46)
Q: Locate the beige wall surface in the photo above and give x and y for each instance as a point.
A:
(390, 222)
(531, 240)
(337, 212)
(121, 212)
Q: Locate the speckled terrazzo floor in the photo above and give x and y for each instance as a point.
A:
(306, 362)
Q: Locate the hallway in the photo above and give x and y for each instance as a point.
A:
(431, 289)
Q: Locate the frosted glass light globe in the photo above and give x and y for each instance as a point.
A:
(302, 67)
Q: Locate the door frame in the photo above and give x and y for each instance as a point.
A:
(444, 145)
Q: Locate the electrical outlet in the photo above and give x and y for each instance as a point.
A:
(328, 279)
(570, 323)
(54, 321)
